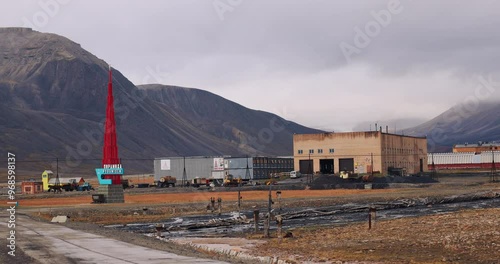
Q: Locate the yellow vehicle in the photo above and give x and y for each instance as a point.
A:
(230, 180)
(271, 182)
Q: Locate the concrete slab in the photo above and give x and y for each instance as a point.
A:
(53, 243)
(226, 243)
(235, 247)
(60, 219)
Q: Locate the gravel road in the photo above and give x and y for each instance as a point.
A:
(68, 243)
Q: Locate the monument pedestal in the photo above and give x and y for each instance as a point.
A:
(113, 193)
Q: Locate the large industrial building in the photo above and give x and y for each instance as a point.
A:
(477, 147)
(330, 153)
(218, 166)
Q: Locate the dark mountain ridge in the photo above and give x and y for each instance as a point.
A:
(53, 98)
(461, 124)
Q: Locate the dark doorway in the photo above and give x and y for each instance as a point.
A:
(306, 166)
(346, 165)
(326, 166)
(421, 165)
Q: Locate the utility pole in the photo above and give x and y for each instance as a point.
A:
(493, 167)
(371, 173)
(309, 170)
(184, 174)
(434, 174)
(57, 182)
(267, 225)
(270, 200)
(247, 172)
(239, 198)
(219, 203)
(278, 196)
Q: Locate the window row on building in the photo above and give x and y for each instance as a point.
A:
(311, 151)
(269, 160)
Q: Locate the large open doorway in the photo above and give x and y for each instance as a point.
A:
(306, 166)
(346, 164)
(326, 166)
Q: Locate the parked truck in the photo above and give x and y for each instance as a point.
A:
(295, 174)
(59, 184)
(166, 181)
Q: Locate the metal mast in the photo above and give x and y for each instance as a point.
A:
(434, 173)
(247, 172)
(184, 174)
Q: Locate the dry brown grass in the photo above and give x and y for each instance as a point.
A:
(462, 237)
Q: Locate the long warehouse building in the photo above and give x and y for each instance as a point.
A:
(359, 152)
(218, 166)
(463, 160)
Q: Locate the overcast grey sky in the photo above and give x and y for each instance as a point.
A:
(325, 64)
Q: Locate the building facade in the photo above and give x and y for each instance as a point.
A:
(477, 147)
(31, 187)
(218, 166)
(359, 152)
(258, 167)
(463, 160)
(196, 167)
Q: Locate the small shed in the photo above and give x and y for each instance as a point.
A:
(31, 187)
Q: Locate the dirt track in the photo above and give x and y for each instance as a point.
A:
(172, 198)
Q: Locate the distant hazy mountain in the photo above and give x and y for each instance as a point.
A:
(461, 124)
(53, 99)
(395, 125)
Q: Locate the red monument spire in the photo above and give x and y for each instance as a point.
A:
(110, 149)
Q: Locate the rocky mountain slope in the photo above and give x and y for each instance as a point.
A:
(53, 99)
(461, 124)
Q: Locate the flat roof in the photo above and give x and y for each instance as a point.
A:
(485, 144)
(226, 157)
(363, 132)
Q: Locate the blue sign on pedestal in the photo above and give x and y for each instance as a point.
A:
(107, 171)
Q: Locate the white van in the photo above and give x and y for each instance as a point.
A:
(295, 174)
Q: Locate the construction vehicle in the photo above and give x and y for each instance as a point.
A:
(200, 182)
(59, 184)
(271, 182)
(166, 181)
(85, 187)
(230, 180)
(348, 175)
(197, 182)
